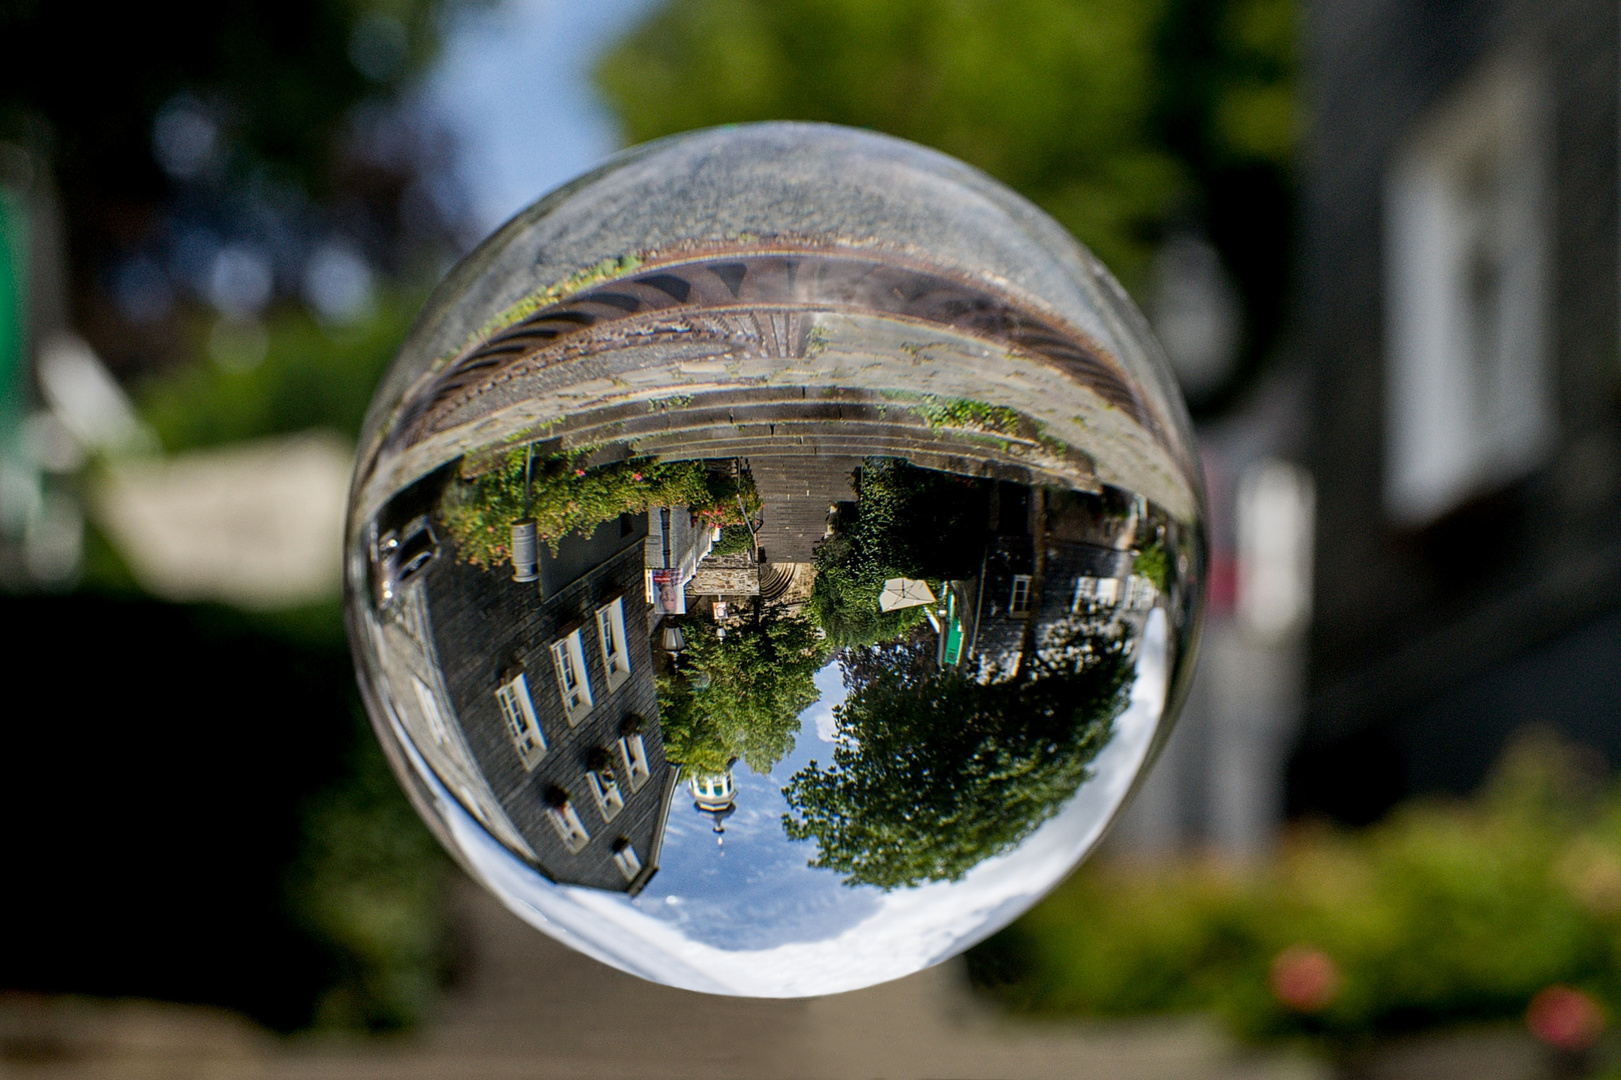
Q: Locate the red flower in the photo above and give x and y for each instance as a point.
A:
(635, 476)
(1564, 1018)
(579, 472)
(1304, 978)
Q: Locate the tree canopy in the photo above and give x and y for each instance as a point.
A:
(936, 772)
(740, 696)
(1115, 116)
(911, 523)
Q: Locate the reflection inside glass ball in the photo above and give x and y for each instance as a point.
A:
(773, 558)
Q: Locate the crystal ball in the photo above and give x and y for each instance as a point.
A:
(773, 559)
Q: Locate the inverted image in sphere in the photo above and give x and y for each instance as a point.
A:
(773, 558)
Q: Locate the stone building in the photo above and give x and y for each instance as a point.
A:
(553, 691)
(1459, 302)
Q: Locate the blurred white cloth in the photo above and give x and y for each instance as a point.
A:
(258, 525)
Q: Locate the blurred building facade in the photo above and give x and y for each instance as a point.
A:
(1459, 316)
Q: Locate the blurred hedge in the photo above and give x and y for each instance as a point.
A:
(1446, 913)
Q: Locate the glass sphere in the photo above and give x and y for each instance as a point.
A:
(773, 559)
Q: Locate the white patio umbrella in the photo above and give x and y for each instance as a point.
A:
(902, 592)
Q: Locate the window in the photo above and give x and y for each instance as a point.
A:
(611, 632)
(1019, 600)
(1108, 590)
(633, 755)
(570, 829)
(431, 712)
(626, 859)
(1467, 253)
(605, 790)
(572, 682)
(1086, 589)
(522, 724)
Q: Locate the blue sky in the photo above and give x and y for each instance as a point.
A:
(757, 890)
(514, 84)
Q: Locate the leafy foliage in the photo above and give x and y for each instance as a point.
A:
(936, 772)
(1445, 913)
(910, 522)
(370, 882)
(312, 376)
(1150, 563)
(733, 539)
(740, 696)
(566, 497)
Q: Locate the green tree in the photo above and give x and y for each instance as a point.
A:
(740, 696)
(936, 772)
(911, 523)
(1054, 98)
(1118, 117)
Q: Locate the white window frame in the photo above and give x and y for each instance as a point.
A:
(518, 709)
(1468, 291)
(1108, 591)
(1018, 601)
(611, 636)
(1086, 588)
(570, 829)
(633, 755)
(625, 857)
(568, 656)
(605, 790)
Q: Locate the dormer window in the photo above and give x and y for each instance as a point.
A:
(570, 829)
(625, 857)
(1019, 598)
(518, 709)
(633, 756)
(611, 633)
(1468, 241)
(604, 788)
(568, 656)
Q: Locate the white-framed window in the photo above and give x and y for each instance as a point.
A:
(1086, 589)
(633, 755)
(518, 709)
(605, 790)
(428, 703)
(611, 634)
(570, 829)
(625, 857)
(572, 682)
(1107, 591)
(1019, 597)
(1468, 238)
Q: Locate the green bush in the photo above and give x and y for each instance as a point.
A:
(911, 523)
(566, 497)
(1445, 913)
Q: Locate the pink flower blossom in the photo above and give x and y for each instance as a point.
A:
(1304, 978)
(1565, 1018)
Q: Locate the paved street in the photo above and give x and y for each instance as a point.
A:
(533, 1009)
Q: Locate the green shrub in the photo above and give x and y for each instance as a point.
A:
(1445, 913)
(566, 497)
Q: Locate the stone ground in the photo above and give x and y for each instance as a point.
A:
(532, 1009)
